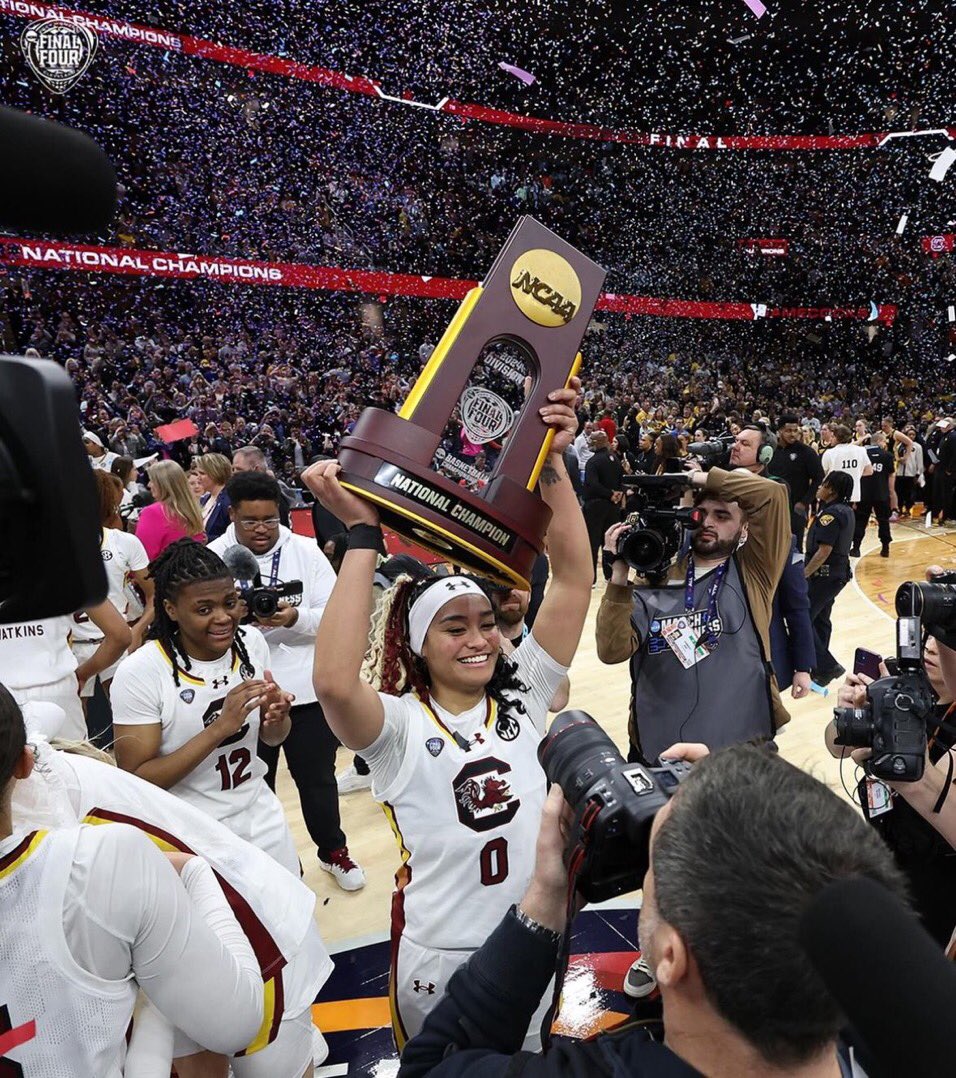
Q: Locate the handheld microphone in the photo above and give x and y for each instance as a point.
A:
(846, 930)
(54, 179)
(241, 562)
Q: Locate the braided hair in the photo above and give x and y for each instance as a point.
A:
(181, 563)
(392, 667)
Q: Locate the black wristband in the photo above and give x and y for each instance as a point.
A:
(366, 537)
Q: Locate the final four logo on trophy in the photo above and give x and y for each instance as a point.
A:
(58, 52)
(456, 469)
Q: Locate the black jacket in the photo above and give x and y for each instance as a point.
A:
(478, 1028)
(602, 475)
(801, 468)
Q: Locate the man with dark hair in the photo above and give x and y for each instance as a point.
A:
(602, 492)
(250, 458)
(799, 467)
(290, 634)
(720, 931)
(875, 496)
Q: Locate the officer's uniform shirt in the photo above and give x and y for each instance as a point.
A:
(834, 527)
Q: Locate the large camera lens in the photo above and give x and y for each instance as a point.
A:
(854, 727)
(643, 549)
(575, 752)
(934, 603)
(264, 603)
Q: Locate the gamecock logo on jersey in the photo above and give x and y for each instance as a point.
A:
(483, 796)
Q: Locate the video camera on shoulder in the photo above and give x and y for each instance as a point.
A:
(899, 708)
(655, 529)
(614, 804)
(714, 453)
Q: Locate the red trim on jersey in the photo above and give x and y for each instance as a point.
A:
(402, 879)
(17, 851)
(270, 958)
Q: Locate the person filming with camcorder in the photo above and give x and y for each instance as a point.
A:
(723, 935)
(695, 625)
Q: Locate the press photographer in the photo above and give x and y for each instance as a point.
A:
(739, 994)
(916, 818)
(696, 629)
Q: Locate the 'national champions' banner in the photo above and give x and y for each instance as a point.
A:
(286, 67)
(40, 254)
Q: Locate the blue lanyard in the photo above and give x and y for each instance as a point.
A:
(707, 637)
(274, 574)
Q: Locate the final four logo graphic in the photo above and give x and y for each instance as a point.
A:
(187, 696)
(58, 52)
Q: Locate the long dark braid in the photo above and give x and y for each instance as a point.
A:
(181, 563)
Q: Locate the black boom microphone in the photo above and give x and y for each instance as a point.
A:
(53, 179)
(241, 562)
(854, 929)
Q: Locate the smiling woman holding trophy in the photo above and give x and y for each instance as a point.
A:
(448, 726)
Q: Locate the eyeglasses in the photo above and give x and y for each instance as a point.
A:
(252, 525)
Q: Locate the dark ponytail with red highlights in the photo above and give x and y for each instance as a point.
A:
(392, 667)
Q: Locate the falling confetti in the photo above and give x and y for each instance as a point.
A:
(526, 77)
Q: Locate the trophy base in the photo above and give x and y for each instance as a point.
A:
(431, 510)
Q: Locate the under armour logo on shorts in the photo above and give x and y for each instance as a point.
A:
(426, 987)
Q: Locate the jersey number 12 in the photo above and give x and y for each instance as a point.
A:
(234, 768)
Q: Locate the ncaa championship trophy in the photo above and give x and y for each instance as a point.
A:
(455, 470)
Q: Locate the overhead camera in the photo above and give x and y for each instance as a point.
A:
(655, 528)
(614, 804)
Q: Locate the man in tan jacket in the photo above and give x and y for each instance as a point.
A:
(722, 690)
(699, 642)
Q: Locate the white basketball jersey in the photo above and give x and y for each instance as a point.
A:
(465, 809)
(229, 781)
(55, 1018)
(35, 652)
(122, 555)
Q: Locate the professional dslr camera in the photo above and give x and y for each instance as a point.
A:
(894, 721)
(714, 453)
(655, 529)
(614, 804)
(262, 600)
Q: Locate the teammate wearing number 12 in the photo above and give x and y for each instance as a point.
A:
(448, 726)
(189, 706)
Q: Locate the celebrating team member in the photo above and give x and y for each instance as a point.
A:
(274, 908)
(187, 707)
(37, 665)
(290, 634)
(90, 915)
(125, 561)
(451, 735)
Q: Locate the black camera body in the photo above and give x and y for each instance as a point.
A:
(655, 529)
(614, 804)
(934, 603)
(262, 600)
(899, 708)
(714, 453)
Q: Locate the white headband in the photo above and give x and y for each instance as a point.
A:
(433, 598)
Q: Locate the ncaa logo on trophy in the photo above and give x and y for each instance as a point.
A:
(456, 469)
(58, 52)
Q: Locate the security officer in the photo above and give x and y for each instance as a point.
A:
(828, 566)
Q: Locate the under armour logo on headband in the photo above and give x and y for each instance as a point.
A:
(454, 585)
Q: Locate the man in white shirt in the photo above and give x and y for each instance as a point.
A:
(290, 634)
(849, 458)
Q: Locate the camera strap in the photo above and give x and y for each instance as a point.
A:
(707, 637)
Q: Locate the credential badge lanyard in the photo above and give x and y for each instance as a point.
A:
(274, 573)
(707, 637)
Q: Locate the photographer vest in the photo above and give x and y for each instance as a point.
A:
(721, 700)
